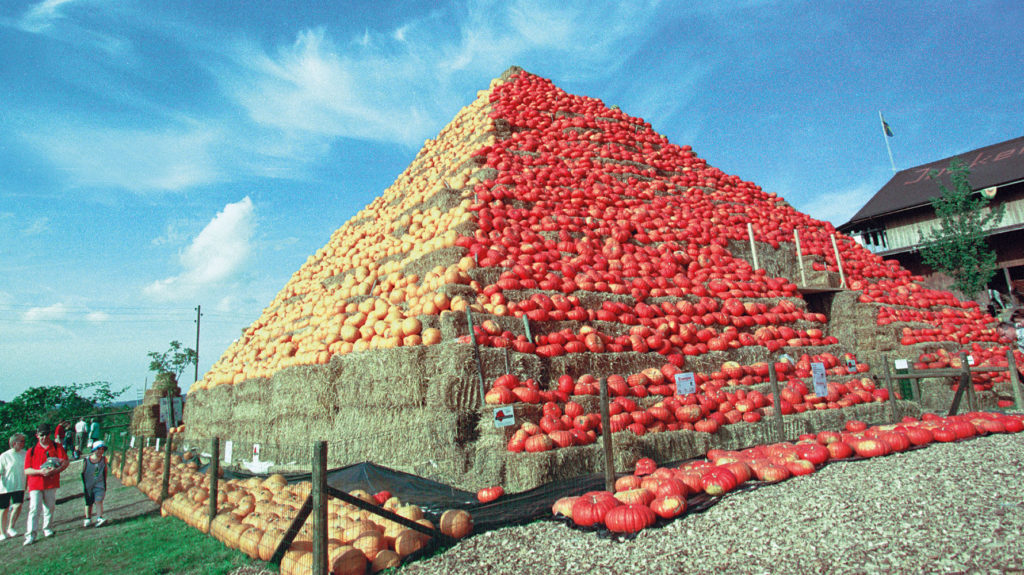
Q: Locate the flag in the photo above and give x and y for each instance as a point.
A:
(885, 126)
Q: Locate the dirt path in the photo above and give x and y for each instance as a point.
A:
(121, 504)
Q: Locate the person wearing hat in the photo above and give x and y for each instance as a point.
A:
(94, 482)
(43, 465)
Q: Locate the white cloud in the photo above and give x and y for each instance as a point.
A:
(136, 160)
(397, 86)
(836, 207)
(38, 226)
(42, 15)
(55, 312)
(97, 316)
(214, 256)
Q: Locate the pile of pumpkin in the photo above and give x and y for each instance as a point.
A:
(564, 424)
(655, 493)
(254, 514)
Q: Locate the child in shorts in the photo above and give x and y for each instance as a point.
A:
(94, 482)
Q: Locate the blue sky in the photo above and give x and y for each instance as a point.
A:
(156, 156)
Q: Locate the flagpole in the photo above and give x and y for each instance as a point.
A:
(885, 137)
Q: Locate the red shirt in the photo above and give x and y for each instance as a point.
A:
(34, 459)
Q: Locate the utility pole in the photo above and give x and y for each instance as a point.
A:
(199, 314)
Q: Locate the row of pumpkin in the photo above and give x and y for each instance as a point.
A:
(254, 514)
(654, 493)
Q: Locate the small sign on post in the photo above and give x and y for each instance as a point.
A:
(902, 364)
(504, 416)
(818, 377)
(228, 447)
(685, 383)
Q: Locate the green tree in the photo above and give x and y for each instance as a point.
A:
(53, 404)
(957, 247)
(174, 360)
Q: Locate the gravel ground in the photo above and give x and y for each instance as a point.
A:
(947, 508)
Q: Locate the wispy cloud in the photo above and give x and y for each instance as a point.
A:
(38, 226)
(215, 255)
(836, 207)
(162, 159)
(42, 15)
(55, 312)
(97, 316)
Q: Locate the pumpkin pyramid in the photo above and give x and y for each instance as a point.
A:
(544, 241)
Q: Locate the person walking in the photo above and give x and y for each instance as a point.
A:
(12, 485)
(43, 465)
(94, 431)
(81, 437)
(94, 482)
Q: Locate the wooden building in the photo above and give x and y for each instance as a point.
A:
(891, 224)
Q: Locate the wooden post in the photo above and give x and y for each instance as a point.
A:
(753, 246)
(606, 436)
(1011, 362)
(138, 474)
(839, 262)
(800, 258)
(965, 382)
(972, 397)
(165, 482)
(214, 474)
(476, 354)
(319, 494)
(889, 386)
(124, 455)
(773, 380)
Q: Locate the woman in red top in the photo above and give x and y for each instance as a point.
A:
(43, 466)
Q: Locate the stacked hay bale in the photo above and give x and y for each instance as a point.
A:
(146, 417)
(583, 244)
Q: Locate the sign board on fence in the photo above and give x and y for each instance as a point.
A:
(504, 416)
(176, 411)
(818, 376)
(228, 446)
(685, 383)
(902, 364)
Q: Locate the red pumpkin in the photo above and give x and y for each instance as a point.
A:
(629, 518)
(718, 481)
(488, 494)
(669, 506)
(839, 450)
(645, 466)
(591, 508)
(854, 426)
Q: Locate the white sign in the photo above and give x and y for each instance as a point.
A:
(685, 383)
(902, 364)
(818, 376)
(228, 446)
(158, 444)
(504, 416)
(851, 364)
(255, 451)
(132, 443)
(970, 360)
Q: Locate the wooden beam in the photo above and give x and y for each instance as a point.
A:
(606, 437)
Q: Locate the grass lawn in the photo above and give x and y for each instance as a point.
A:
(143, 545)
